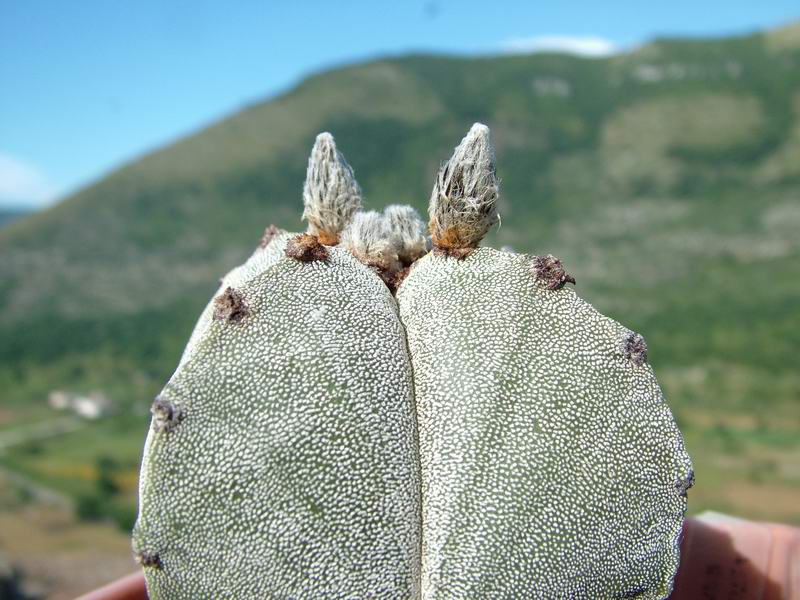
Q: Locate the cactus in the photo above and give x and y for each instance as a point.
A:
(283, 460)
(550, 461)
(482, 433)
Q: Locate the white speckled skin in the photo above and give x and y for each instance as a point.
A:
(257, 263)
(294, 470)
(551, 465)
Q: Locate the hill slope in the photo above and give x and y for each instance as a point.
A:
(8, 215)
(667, 179)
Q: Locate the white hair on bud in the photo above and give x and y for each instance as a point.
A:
(331, 194)
(367, 238)
(463, 203)
(406, 232)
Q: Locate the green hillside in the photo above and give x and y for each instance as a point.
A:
(8, 215)
(667, 179)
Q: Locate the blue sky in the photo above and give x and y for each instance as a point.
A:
(88, 85)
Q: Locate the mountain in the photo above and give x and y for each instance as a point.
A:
(666, 178)
(7, 215)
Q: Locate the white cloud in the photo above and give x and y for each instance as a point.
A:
(581, 45)
(22, 184)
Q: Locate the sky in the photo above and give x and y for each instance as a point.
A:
(86, 86)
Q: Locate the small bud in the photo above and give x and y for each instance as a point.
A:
(331, 194)
(306, 248)
(230, 306)
(464, 198)
(634, 348)
(406, 233)
(549, 271)
(367, 238)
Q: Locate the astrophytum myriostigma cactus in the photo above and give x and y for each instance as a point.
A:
(283, 457)
(551, 465)
(481, 433)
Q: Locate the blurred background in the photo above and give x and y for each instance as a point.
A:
(145, 146)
